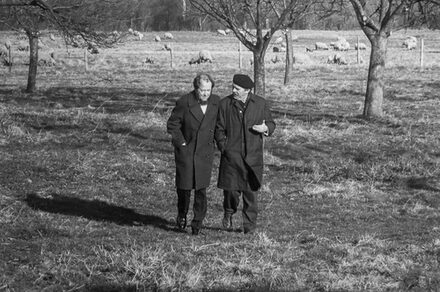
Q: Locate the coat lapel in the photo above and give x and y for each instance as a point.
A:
(194, 108)
(212, 107)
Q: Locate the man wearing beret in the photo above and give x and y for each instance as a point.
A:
(191, 125)
(244, 119)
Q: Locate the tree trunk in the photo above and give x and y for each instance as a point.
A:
(33, 63)
(259, 73)
(375, 83)
(289, 58)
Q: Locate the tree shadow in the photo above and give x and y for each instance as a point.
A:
(98, 98)
(95, 210)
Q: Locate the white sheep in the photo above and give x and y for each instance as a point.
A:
(221, 32)
(337, 59)
(52, 37)
(228, 31)
(157, 38)
(410, 43)
(130, 31)
(321, 46)
(140, 36)
(361, 46)
(341, 46)
(205, 56)
(168, 36)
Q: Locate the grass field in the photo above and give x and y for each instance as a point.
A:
(87, 198)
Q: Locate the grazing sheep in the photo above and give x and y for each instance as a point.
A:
(410, 43)
(337, 59)
(361, 46)
(157, 38)
(194, 61)
(204, 57)
(168, 36)
(221, 32)
(321, 46)
(228, 31)
(341, 44)
(52, 37)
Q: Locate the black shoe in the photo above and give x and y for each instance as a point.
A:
(195, 230)
(227, 221)
(181, 222)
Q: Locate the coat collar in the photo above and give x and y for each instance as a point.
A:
(195, 109)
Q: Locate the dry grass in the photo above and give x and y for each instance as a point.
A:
(87, 201)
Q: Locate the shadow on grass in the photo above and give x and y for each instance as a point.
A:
(94, 210)
(99, 99)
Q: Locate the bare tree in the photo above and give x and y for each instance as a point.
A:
(377, 19)
(237, 14)
(76, 20)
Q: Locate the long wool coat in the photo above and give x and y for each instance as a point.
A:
(241, 162)
(187, 124)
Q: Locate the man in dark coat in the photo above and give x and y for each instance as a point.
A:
(243, 121)
(191, 125)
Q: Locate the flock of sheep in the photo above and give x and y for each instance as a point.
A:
(279, 45)
(341, 44)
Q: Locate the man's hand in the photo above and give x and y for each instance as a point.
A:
(263, 129)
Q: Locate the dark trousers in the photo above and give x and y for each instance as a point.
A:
(231, 200)
(199, 206)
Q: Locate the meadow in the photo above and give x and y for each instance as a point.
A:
(87, 197)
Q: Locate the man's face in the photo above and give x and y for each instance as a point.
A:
(239, 92)
(204, 90)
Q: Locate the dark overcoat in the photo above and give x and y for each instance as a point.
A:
(241, 162)
(187, 124)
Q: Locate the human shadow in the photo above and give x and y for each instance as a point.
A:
(94, 210)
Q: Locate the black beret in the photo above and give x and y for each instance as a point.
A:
(243, 80)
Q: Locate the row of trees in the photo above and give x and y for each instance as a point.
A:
(254, 23)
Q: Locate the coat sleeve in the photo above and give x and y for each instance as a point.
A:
(270, 123)
(175, 124)
(220, 129)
